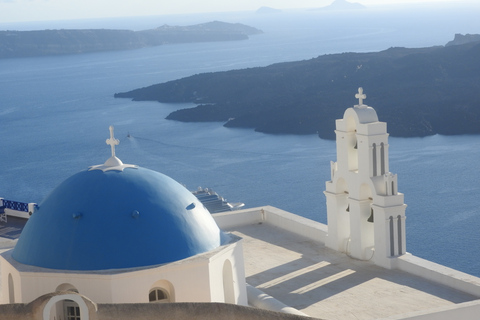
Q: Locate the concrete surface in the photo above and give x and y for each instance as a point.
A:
(321, 283)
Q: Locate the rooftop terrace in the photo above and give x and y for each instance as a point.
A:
(306, 275)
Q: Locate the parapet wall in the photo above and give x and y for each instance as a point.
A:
(37, 309)
(284, 220)
(461, 311)
(437, 273)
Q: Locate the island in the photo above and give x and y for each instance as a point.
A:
(417, 91)
(16, 44)
(342, 5)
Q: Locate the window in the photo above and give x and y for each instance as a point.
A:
(157, 295)
(72, 310)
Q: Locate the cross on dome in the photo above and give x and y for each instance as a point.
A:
(112, 141)
(360, 96)
(113, 163)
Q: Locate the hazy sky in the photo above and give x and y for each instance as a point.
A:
(36, 10)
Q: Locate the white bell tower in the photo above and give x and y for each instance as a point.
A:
(365, 211)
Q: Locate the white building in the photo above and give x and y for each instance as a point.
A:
(365, 211)
(117, 234)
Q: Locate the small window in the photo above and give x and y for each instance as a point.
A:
(72, 310)
(157, 295)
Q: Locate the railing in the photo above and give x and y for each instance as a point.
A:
(15, 205)
(17, 208)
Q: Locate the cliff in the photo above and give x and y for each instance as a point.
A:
(14, 44)
(463, 39)
(418, 92)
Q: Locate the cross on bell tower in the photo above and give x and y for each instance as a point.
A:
(360, 96)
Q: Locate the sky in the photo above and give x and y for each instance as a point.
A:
(41, 10)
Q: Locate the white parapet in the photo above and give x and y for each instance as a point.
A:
(440, 274)
(307, 228)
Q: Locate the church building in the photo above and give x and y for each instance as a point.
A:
(119, 233)
(121, 241)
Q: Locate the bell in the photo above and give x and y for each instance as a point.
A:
(356, 145)
(370, 219)
(348, 208)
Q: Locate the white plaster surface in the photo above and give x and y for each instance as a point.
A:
(321, 283)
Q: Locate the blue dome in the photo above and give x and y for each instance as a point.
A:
(98, 220)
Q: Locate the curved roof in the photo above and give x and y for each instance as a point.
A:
(362, 114)
(98, 220)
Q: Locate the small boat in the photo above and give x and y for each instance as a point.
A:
(215, 203)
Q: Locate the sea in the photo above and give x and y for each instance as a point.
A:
(55, 112)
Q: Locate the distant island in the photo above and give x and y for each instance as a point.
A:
(15, 44)
(343, 5)
(418, 92)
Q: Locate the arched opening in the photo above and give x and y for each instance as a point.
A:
(352, 144)
(351, 124)
(11, 289)
(228, 283)
(400, 240)
(66, 307)
(392, 235)
(365, 192)
(341, 186)
(366, 218)
(158, 295)
(341, 216)
(382, 158)
(161, 291)
(374, 159)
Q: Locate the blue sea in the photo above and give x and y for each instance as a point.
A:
(55, 112)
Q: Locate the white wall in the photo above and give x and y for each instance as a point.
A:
(439, 274)
(195, 279)
(462, 311)
(310, 229)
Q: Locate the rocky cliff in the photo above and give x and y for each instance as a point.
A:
(418, 92)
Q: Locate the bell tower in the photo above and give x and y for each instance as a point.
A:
(365, 211)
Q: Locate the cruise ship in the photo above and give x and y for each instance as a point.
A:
(215, 203)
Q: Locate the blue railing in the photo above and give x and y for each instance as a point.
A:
(15, 205)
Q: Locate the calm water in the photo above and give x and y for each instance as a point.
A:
(55, 113)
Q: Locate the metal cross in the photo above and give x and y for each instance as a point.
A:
(112, 141)
(360, 96)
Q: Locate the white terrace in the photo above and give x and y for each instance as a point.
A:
(286, 257)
